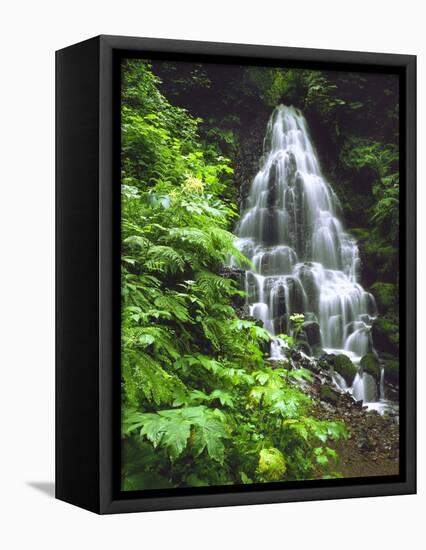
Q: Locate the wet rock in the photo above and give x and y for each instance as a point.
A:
(281, 324)
(243, 312)
(344, 366)
(272, 196)
(370, 364)
(313, 333)
(252, 288)
(317, 351)
(279, 302)
(307, 277)
(304, 346)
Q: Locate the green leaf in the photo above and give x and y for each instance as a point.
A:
(176, 437)
(245, 479)
(146, 339)
(322, 460)
(225, 398)
(153, 428)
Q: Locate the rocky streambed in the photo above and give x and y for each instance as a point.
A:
(372, 448)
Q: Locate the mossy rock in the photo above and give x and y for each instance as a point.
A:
(344, 366)
(328, 395)
(370, 364)
(385, 335)
(392, 372)
(386, 296)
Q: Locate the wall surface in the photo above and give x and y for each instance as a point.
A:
(30, 33)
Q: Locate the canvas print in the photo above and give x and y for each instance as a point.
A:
(259, 252)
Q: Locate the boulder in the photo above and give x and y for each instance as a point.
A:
(312, 332)
(370, 364)
(301, 345)
(344, 366)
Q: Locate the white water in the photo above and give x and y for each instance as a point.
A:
(303, 259)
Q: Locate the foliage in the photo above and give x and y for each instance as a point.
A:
(383, 160)
(272, 464)
(290, 340)
(201, 405)
(386, 296)
(272, 84)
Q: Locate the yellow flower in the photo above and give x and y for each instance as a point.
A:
(193, 185)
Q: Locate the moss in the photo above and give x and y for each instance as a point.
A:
(385, 335)
(392, 372)
(327, 394)
(370, 364)
(344, 366)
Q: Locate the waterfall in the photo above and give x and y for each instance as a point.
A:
(303, 260)
(382, 384)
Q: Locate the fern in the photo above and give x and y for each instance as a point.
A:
(146, 381)
(168, 259)
(201, 405)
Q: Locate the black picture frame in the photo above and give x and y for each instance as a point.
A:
(87, 274)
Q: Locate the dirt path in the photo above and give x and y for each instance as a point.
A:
(372, 448)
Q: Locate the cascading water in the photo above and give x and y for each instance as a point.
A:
(303, 260)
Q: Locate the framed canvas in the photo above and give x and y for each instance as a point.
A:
(235, 274)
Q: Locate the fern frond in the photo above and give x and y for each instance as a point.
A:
(169, 260)
(146, 380)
